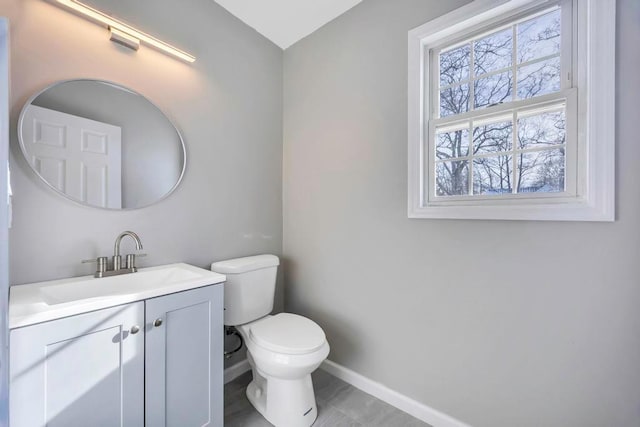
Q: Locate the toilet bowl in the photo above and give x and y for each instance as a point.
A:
(283, 350)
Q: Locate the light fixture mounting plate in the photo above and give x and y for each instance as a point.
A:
(124, 39)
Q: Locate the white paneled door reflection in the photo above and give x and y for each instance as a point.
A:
(79, 157)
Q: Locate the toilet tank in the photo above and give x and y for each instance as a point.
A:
(249, 289)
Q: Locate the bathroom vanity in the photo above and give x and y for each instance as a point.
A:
(132, 350)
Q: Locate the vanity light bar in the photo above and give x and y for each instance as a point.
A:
(123, 33)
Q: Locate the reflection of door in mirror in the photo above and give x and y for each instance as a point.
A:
(77, 156)
(150, 155)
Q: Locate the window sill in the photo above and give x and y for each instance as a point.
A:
(576, 211)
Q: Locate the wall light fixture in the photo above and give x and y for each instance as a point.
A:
(123, 33)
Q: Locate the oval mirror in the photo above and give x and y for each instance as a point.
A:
(101, 144)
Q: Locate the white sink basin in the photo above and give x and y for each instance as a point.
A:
(125, 284)
(39, 302)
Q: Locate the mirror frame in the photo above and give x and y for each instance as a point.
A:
(117, 85)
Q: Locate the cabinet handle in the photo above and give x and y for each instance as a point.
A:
(134, 329)
(157, 322)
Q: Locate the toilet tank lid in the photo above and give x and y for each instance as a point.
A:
(242, 265)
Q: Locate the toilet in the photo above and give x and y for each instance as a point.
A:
(283, 350)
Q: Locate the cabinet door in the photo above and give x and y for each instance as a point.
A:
(85, 370)
(183, 381)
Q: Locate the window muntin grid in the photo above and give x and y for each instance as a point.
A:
(510, 64)
(518, 61)
(517, 152)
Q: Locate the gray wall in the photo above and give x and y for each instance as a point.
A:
(228, 105)
(495, 323)
(152, 156)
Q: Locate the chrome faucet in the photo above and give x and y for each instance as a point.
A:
(130, 261)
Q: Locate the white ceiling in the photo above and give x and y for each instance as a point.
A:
(284, 22)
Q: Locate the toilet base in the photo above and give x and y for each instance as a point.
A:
(282, 402)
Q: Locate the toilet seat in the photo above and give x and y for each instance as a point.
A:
(288, 333)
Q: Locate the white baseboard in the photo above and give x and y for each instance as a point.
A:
(393, 398)
(233, 372)
(382, 392)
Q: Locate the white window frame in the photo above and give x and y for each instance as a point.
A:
(592, 198)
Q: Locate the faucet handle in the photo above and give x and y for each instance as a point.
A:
(100, 261)
(130, 261)
(97, 260)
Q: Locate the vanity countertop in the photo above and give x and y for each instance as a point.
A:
(44, 301)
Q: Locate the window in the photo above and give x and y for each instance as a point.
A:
(510, 115)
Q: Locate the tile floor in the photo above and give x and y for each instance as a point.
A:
(339, 404)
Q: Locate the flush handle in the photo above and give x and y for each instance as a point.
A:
(157, 322)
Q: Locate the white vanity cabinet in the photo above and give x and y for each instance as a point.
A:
(156, 362)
